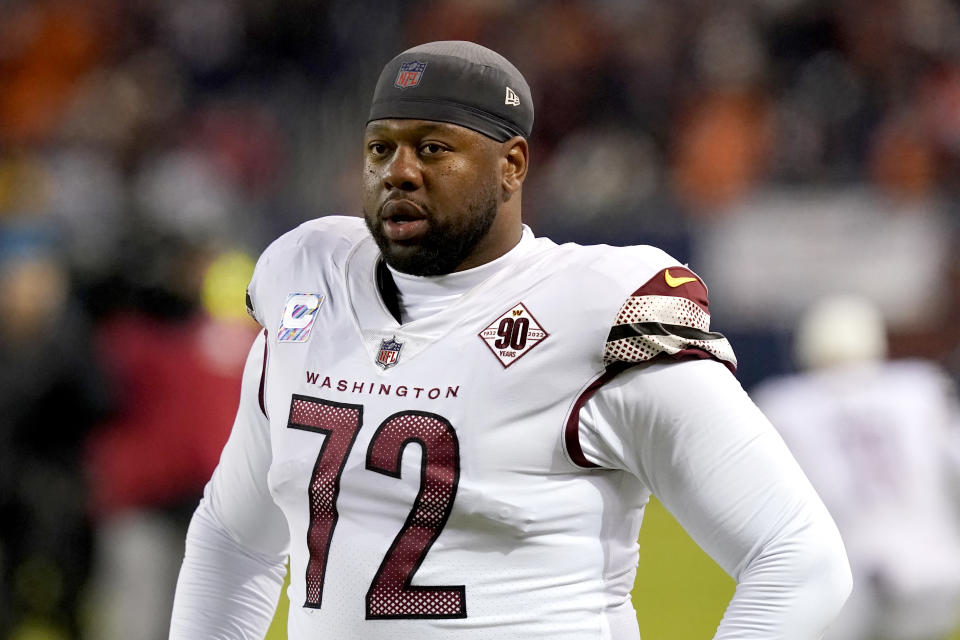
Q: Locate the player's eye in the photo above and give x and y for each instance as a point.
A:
(431, 149)
(377, 148)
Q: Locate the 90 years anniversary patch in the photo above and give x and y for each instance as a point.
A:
(513, 334)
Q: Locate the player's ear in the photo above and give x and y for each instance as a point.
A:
(515, 159)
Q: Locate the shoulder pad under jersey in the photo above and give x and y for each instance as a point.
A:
(331, 236)
(667, 317)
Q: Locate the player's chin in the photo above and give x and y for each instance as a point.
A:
(408, 257)
(417, 260)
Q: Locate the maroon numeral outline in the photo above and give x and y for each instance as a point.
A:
(391, 594)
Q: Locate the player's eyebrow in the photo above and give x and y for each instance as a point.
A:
(381, 127)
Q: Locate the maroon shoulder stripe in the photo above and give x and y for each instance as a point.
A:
(571, 433)
(263, 376)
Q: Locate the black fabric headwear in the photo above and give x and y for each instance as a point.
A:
(458, 82)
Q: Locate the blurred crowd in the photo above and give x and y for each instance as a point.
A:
(149, 149)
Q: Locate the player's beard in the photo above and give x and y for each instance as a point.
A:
(447, 243)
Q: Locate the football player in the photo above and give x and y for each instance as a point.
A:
(874, 437)
(451, 426)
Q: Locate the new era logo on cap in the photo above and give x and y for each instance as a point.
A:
(512, 98)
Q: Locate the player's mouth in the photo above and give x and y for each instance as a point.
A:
(403, 220)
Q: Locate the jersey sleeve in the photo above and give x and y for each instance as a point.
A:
(236, 546)
(667, 318)
(690, 433)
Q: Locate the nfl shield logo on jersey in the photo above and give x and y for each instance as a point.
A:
(389, 353)
(409, 74)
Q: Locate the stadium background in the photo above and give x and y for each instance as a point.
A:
(149, 149)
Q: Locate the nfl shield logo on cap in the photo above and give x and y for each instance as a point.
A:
(389, 353)
(409, 74)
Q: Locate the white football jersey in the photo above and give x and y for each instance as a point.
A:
(427, 471)
(480, 470)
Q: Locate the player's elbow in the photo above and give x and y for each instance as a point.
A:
(805, 575)
(828, 572)
(821, 573)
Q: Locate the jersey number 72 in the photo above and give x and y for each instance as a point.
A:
(391, 594)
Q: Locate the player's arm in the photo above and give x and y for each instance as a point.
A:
(236, 546)
(691, 433)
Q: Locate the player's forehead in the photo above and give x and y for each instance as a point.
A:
(396, 128)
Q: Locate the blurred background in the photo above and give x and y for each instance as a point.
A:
(150, 149)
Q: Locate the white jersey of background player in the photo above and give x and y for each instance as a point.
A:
(876, 438)
(468, 454)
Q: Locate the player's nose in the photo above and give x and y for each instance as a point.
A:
(403, 171)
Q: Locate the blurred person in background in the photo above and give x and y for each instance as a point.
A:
(51, 394)
(174, 355)
(878, 438)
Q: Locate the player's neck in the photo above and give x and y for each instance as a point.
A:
(421, 296)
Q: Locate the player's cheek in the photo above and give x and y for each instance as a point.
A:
(370, 185)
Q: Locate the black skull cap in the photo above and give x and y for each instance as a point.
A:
(459, 82)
